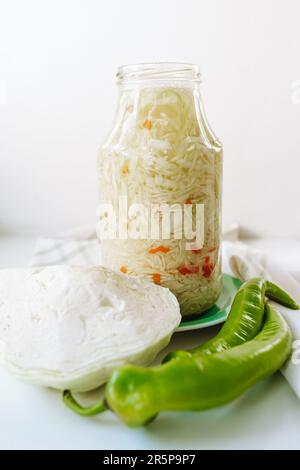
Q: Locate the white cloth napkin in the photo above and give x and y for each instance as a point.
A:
(80, 247)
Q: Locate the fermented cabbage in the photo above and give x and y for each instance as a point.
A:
(161, 151)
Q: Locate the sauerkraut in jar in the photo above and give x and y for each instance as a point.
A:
(161, 151)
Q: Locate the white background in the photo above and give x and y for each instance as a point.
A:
(57, 98)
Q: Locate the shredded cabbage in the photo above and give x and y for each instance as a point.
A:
(161, 150)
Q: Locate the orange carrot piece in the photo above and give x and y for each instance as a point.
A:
(147, 124)
(156, 278)
(123, 269)
(161, 248)
(188, 201)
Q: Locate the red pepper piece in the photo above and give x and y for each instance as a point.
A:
(207, 269)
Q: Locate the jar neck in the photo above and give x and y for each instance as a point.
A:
(164, 74)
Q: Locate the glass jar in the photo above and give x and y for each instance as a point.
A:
(161, 156)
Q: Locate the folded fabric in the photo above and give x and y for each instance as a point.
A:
(81, 247)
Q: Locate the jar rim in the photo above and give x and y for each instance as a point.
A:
(158, 71)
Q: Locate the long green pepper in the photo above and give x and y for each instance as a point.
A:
(137, 394)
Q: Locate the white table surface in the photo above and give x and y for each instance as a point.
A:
(266, 417)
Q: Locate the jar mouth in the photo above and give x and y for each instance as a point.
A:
(159, 72)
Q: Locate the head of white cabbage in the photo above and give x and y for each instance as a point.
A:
(68, 327)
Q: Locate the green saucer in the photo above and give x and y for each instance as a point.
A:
(219, 311)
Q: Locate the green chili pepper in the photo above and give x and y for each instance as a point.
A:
(201, 382)
(274, 292)
(70, 401)
(245, 318)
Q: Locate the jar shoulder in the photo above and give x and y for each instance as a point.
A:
(161, 119)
